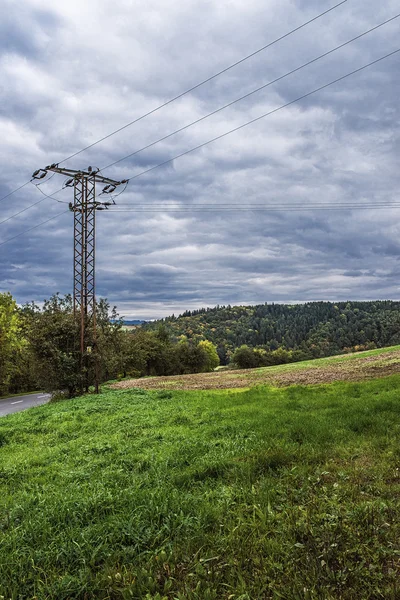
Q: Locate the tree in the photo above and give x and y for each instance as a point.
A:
(190, 358)
(212, 355)
(12, 343)
(244, 357)
(53, 338)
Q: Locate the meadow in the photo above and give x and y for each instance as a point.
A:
(356, 366)
(247, 494)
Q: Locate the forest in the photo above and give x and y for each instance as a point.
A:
(39, 348)
(297, 332)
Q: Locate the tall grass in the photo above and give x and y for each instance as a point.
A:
(268, 493)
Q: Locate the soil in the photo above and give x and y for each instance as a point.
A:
(350, 369)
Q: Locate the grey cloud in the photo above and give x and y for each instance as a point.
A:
(81, 78)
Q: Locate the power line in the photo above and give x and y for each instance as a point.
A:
(210, 208)
(51, 197)
(22, 211)
(373, 206)
(204, 81)
(177, 204)
(34, 227)
(247, 209)
(187, 91)
(214, 112)
(252, 92)
(275, 110)
(350, 207)
(14, 191)
(250, 208)
(34, 204)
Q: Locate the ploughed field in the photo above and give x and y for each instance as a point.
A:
(347, 367)
(288, 492)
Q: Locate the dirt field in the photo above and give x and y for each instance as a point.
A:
(356, 367)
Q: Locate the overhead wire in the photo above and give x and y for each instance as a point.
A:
(22, 211)
(246, 124)
(34, 204)
(50, 196)
(250, 208)
(16, 190)
(267, 114)
(47, 196)
(34, 227)
(214, 112)
(194, 87)
(191, 89)
(204, 117)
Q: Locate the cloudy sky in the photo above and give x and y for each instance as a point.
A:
(72, 72)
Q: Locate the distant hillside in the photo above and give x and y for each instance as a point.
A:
(314, 329)
(134, 322)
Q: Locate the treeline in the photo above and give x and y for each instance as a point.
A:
(39, 349)
(303, 331)
(39, 346)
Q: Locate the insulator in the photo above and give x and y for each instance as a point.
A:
(101, 208)
(39, 174)
(69, 182)
(70, 206)
(109, 189)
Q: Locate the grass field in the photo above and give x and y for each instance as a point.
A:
(283, 493)
(346, 367)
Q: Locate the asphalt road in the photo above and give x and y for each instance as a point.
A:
(17, 403)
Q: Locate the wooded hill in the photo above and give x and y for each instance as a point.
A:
(313, 330)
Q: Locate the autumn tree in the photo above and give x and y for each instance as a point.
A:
(11, 341)
(212, 355)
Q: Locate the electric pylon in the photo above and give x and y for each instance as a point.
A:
(84, 208)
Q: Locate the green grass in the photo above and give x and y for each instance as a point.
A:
(331, 360)
(286, 493)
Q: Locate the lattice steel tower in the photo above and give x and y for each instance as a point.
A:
(84, 208)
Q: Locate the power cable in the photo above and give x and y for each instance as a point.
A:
(234, 130)
(275, 110)
(14, 191)
(35, 203)
(204, 81)
(187, 91)
(281, 209)
(50, 196)
(34, 227)
(310, 62)
(249, 208)
(177, 204)
(22, 211)
(240, 127)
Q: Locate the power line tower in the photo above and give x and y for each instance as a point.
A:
(84, 208)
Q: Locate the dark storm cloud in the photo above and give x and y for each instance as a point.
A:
(79, 70)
